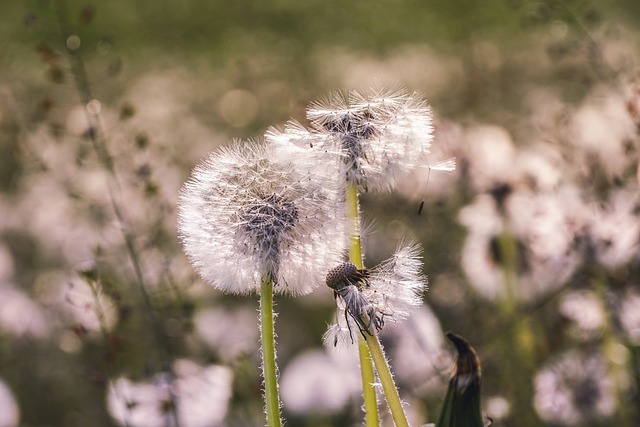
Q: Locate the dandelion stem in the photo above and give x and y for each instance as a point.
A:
(269, 370)
(386, 379)
(353, 214)
(366, 365)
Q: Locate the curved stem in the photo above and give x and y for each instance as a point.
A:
(366, 366)
(386, 379)
(269, 369)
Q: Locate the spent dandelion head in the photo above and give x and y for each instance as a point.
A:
(250, 212)
(378, 136)
(369, 298)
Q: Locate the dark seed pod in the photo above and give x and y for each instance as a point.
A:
(345, 274)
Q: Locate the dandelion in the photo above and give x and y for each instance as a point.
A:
(379, 136)
(585, 311)
(574, 389)
(204, 393)
(249, 212)
(252, 218)
(372, 297)
(367, 299)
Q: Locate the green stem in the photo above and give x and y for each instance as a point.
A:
(366, 366)
(386, 379)
(269, 370)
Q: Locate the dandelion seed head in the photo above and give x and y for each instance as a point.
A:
(250, 211)
(586, 313)
(379, 136)
(202, 392)
(369, 298)
(574, 389)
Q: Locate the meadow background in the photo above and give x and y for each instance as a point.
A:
(531, 246)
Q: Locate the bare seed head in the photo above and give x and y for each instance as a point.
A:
(345, 274)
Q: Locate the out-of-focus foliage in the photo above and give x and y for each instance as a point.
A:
(531, 246)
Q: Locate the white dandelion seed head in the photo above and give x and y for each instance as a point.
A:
(201, 394)
(250, 211)
(575, 388)
(295, 140)
(369, 300)
(584, 309)
(379, 136)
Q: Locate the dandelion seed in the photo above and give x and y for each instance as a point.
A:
(369, 298)
(250, 212)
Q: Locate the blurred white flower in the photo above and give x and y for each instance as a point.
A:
(234, 333)
(9, 410)
(315, 382)
(369, 298)
(543, 228)
(417, 350)
(496, 407)
(250, 211)
(201, 395)
(600, 130)
(629, 314)
(86, 305)
(585, 311)
(490, 154)
(574, 389)
(612, 229)
(378, 136)
(20, 315)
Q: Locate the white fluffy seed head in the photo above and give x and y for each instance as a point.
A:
(250, 211)
(390, 290)
(379, 136)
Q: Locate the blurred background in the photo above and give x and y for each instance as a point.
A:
(531, 245)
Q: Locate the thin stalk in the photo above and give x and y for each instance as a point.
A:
(98, 139)
(520, 339)
(269, 369)
(386, 379)
(366, 365)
